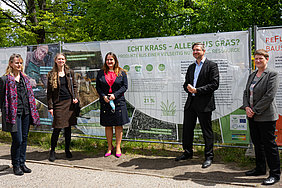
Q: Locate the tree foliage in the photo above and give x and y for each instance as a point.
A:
(40, 21)
(225, 15)
(121, 19)
(48, 21)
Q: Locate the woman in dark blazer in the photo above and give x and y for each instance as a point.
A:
(259, 103)
(18, 108)
(111, 84)
(60, 103)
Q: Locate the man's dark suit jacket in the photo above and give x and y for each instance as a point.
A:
(207, 83)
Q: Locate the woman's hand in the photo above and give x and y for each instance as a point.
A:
(51, 112)
(250, 113)
(111, 96)
(74, 101)
(106, 99)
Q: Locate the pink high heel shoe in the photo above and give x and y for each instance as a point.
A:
(118, 155)
(110, 153)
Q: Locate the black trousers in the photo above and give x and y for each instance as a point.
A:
(190, 120)
(266, 150)
(55, 137)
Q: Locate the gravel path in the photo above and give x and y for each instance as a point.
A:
(46, 175)
(94, 170)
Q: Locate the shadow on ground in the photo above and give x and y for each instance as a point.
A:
(160, 166)
(211, 178)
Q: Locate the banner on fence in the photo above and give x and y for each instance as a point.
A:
(5, 54)
(39, 61)
(235, 128)
(270, 39)
(156, 71)
(85, 59)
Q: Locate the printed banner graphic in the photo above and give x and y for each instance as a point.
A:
(156, 69)
(270, 39)
(238, 130)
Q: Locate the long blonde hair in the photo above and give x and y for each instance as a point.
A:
(9, 69)
(53, 78)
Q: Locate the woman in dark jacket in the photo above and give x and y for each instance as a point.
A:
(18, 108)
(259, 103)
(111, 84)
(60, 103)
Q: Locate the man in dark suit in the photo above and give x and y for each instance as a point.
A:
(202, 79)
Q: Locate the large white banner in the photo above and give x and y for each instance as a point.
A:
(270, 39)
(5, 54)
(157, 67)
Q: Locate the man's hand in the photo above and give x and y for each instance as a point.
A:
(191, 89)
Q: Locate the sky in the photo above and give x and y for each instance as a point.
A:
(3, 5)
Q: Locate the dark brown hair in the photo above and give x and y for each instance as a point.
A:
(262, 52)
(117, 68)
(199, 44)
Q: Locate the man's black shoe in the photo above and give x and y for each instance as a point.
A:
(270, 181)
(18, 171)
(207, 163)
(183, 157)
(254, 172)
(52, 157)
(25, 169)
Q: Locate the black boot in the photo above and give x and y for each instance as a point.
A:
(17, 171)
(52, 157)
(68, 154)
(25, 169)
(67, 134)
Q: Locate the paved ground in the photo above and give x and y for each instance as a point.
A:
(87, 170)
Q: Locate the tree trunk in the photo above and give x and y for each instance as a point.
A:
(32, 17)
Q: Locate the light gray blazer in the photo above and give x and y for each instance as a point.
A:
(264, 92)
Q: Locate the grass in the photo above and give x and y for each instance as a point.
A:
(225, 155)
(235, 156)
